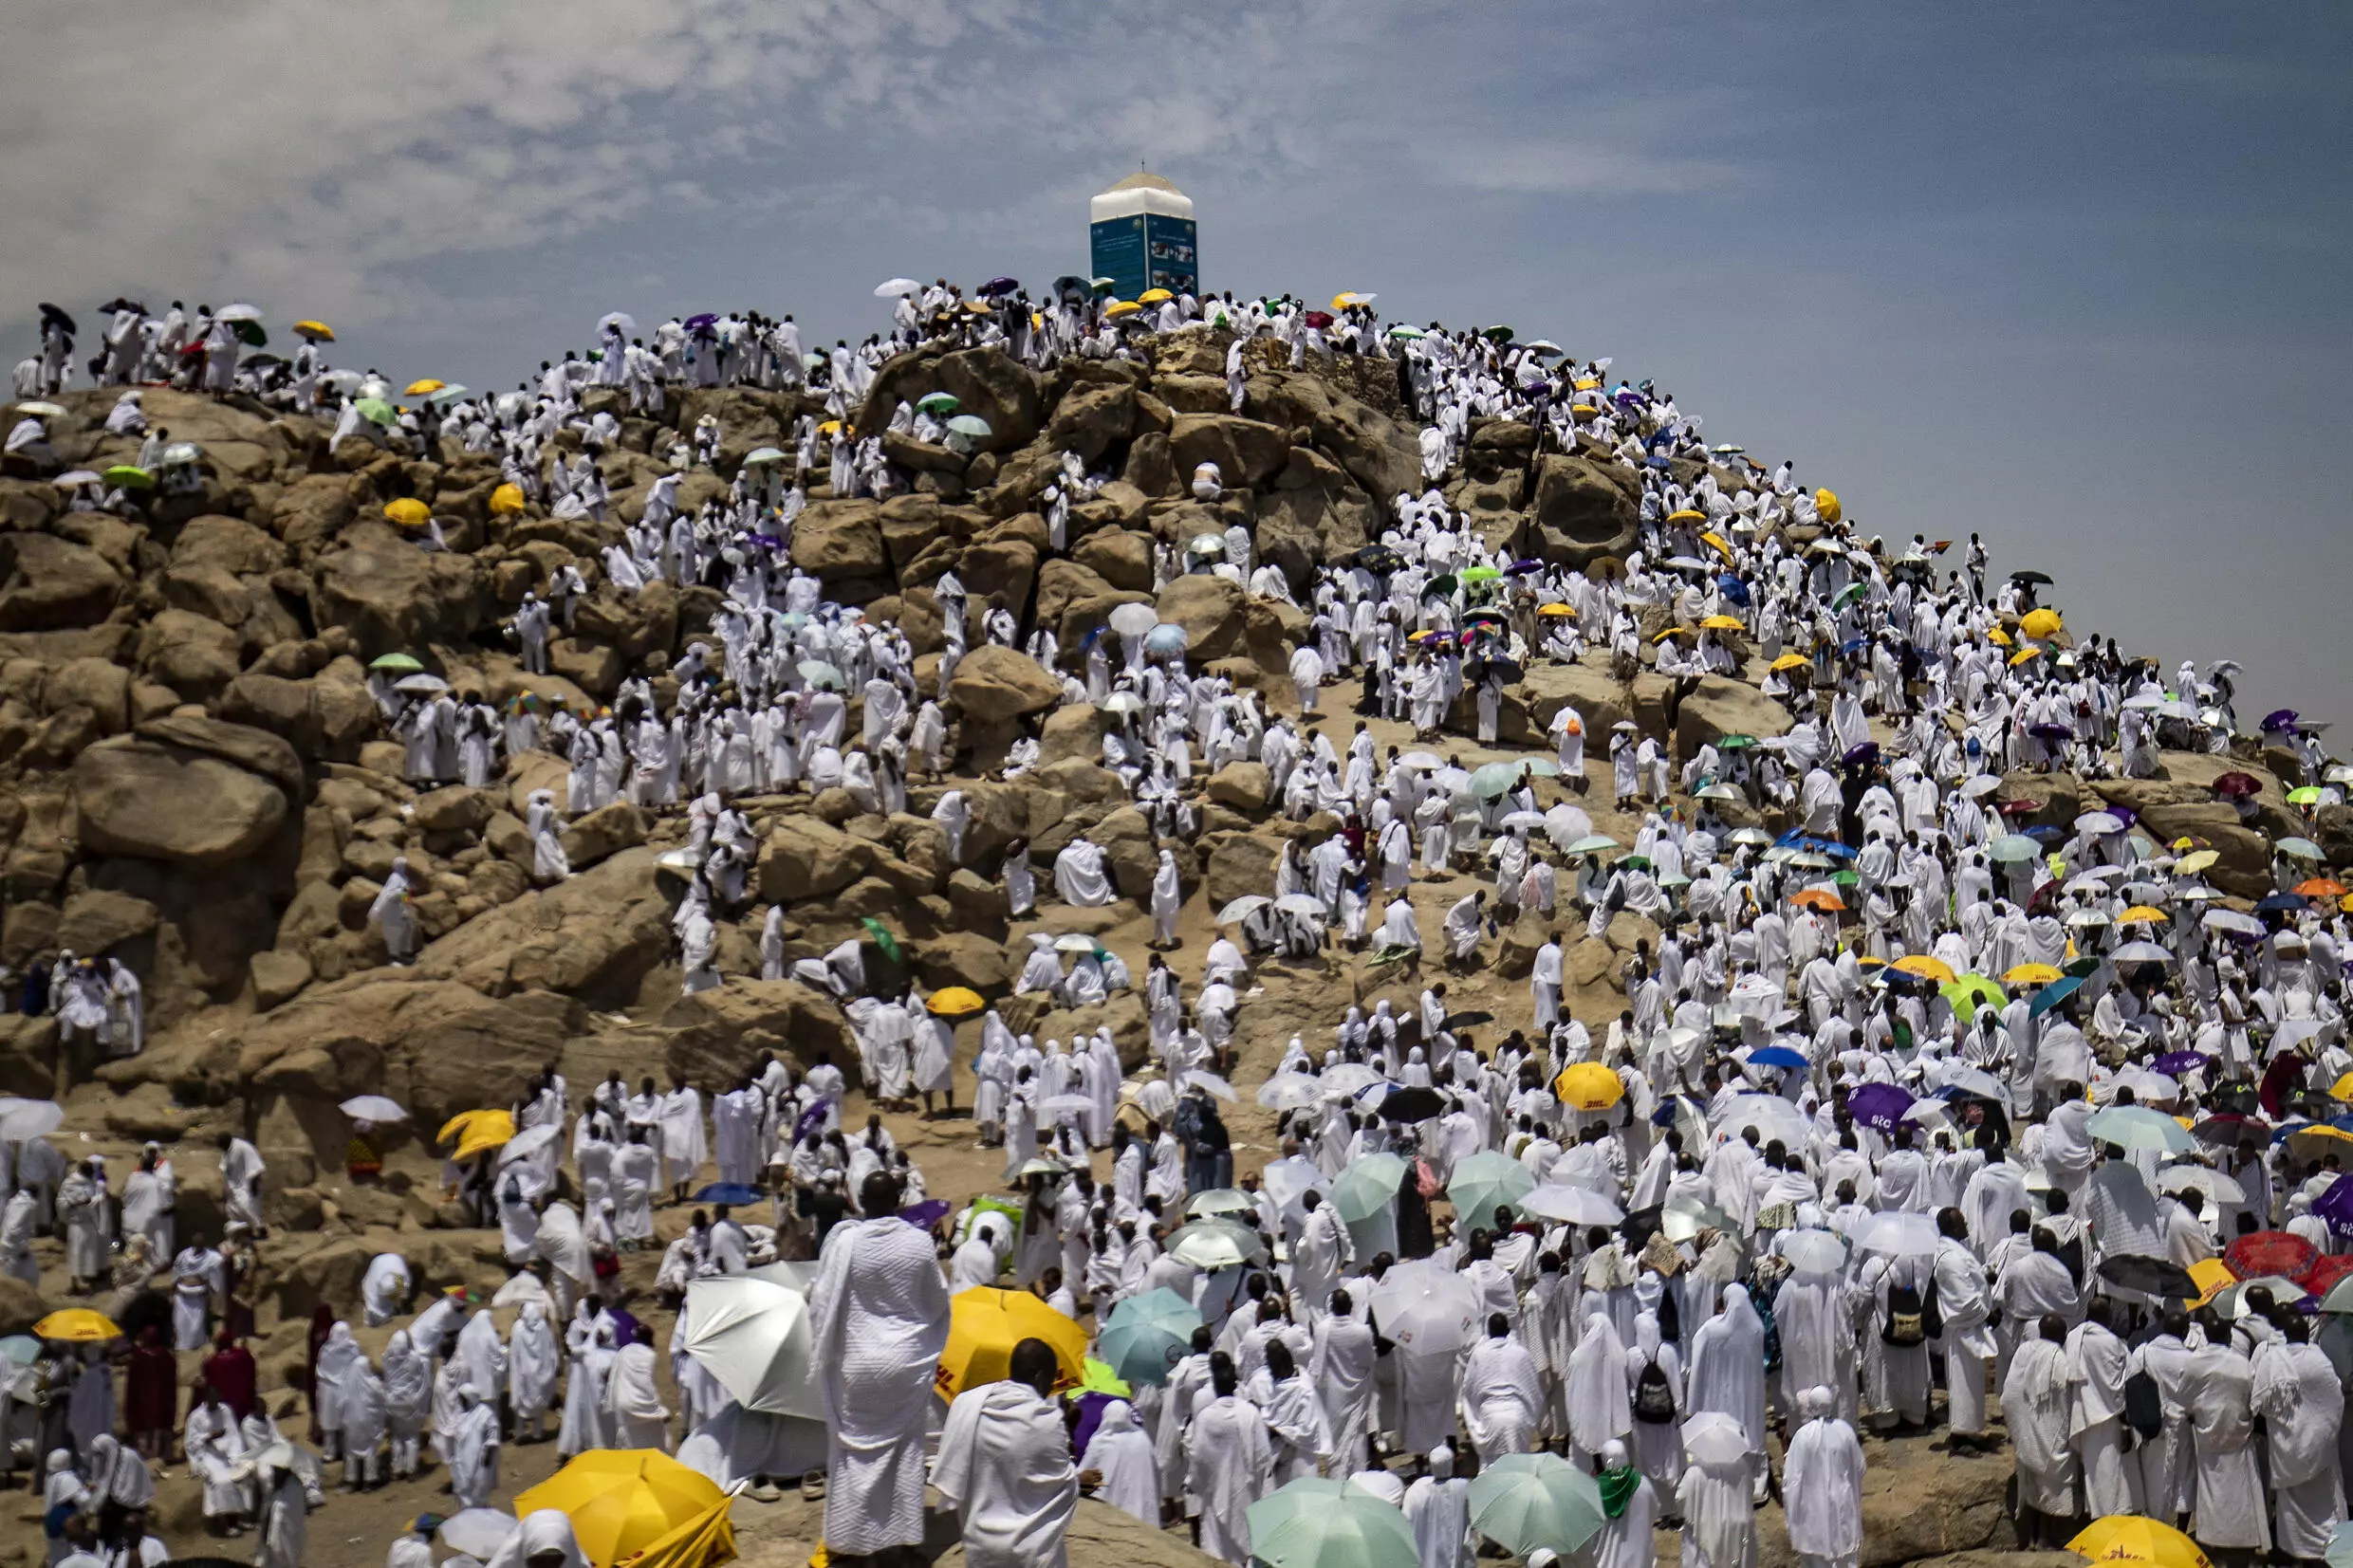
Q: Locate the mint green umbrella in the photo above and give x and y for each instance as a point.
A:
(1485, 1183)
(1525, 1500)
(1146, 1336)
(1368, 1186)
(1315, 1522)
(377, 410)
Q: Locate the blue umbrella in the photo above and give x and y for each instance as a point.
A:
(1732, 588)
(1166, 637)
(2052, 994)
(1777, 1056)
(727, 1192)
(2277, 902)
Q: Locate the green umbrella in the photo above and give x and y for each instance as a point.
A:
(1329, 1524)
(937, 402)
(1592, 844)
(1099, 1378)
(2014, 847)
(403, 664)
(1485, 1183)
(130, 476)
(1849, 595)
(1527, 1501)
(1146, 1336)
(1735, 743)
(2303, 849)
(818, 673)
(2140, 1127)
(1497, 334)
(1368, 1186)
(1969, 992)
(249, 334)
(1479, 573)
(378, 410)
(1495, 778)
(969, 424)
(1408, 333)
(884, 939)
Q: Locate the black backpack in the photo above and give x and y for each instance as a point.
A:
(1907, 1322)
(1653, 1395)
(2145, 1406)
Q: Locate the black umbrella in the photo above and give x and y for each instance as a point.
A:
(119, 302)
(1412, 1104)
(1464, 1020)
(2157, 1276)
(2031, 577)
(50, 313)
(1641, 1224)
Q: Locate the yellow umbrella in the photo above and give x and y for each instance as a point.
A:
(704, 1541)
(955, 1002)
(2343, 1088)
(78, 1324)
(1587, 383)
(1716, 540)
(2030, 974)
(483, 1131)
(2040, 623)
(1153, 296)
(419, 388)
(2023, 655)
(2191, 864)
(315, 329)
(1589, 1086)
(2213, 1277)
(1687, 515)
(2128, 1538)
(622, 1501)
(1926, 967)
(1791, 661)
(1583, 410)
(1345, 298)
(1121, 307)
(409, 512)
(1671, 632)
(2142, 914)
(1723, 623)
(1827, 503)
(984, 1325)
(1998, 638)
(1555, 610)
(831, 427)
(507, 499)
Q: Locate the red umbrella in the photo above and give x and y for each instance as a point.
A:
(2326, 1271)
(2021, 808)
(2232, 785)
(2230, 1128)
(1318, 320)
(2275, 1253)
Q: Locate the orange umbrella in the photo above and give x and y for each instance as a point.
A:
(1817, 898)
(2320, 887)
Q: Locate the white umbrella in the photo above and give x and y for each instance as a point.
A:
(528, 1143)
(2181, 1178)
(421, 684)
(1426, 1307)
(378, 1108)
(894, 287)
(1196, 1079)
(1289, 1091)
(1565, 825)
(1421, 762)
(1043, 1166)
(1220, 1200)
(478, 1532)
(2141, 953)
(2098, 822)
(1074, 942)
(1287, 1181)
(1134, 621)
(238, 313)
(1052, 1109)
(1530, 820)
(1713, 1438)
(621, 319)
(1981, 787)
(1898, 1232)
(1242, 909)
(1344, 1079)
(1976, 1081)
(1812, 1252)
(753, 1336)
(1771, 1114)
(1572, 1206)
(30, 1118)
(1301, 904)
(1216, 1244)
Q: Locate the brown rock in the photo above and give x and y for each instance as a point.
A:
(602, 833)
(1210, 610)
(1247, 452)
(1121, 559)
(47, 582)
(99, 919)
(392, 596)
(996, 685)
(278, 977)
(804, 857)
(99, 685)
(1239, 864)
(1586, 510)
(1243, 786)
(139, 798)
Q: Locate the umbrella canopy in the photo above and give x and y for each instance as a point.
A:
(478, 1132)
(29, 1118)
(984, 1325)
(1215, 1244)
(1427, 1308)
(1525, 1500)
(1146, 1336)
(1812, 1252)
(478, 1532)
(1134, 621)
(1486, 1182)
(2269, 1252)
(955, 1002)
(420, 684)
(2129, 1538)
(374, 1108)
(1897, 1233)
(1333, 1525)
(528, 1143)
(77, 1325)
(396, 663)
(2139, 1127)
(2157, 1276)
(1880, 1105)
(1572, 1206)
(1589, 1086)
(1243, 907)
(818, 673)
(622, 1501)
(1368, 1186)
(753, 1336)
(890, 288)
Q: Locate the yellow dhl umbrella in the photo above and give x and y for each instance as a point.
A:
(985, 1324)
(78, 1324)
(315, 329)
(622, 1501)
(1688, 514)
(409, 512)
(1997, 637)
(1555, 610)
(2040, 623)
(2343, 1088)
(2197, 860)
(1827, 503)
(2030, 974)
(2213, 1277)
(420, 387)
(1791, 662)
(2142, 914)
(2128, 1538)
(2023, 655)
(478, 1132)
(1153, 296)
(506, 500)
(1589, 1086)
(955, 1002)
(704, 1541)
(1723, 623)
(1926, 967)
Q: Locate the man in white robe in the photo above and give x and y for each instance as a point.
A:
(1438, 1509)
(1502, 1397)
(1227, 1462)
(1822, 1480)
(878, 1319)
(1342, 1368)
(2301, 1402)
(1005, 1466)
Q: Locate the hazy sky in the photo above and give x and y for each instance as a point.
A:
(2073, 276)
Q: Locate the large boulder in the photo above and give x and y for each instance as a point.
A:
(1247, 452)
(1598, 696)
(1210, 610)
(1718, 706)
(160, 801)
(594, 935)
(987, 383)
(47, 582)
(1237, 864)
(836, 541)
(996, 685)
(1585, 511)
(392, 596)
(808, 858)
(1381, 454)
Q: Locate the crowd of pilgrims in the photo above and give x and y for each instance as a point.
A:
(1790, 1188)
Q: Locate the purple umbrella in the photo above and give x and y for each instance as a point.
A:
(2174, 1063)
(1867, 752)
(925, 1214)
(2336, 1205)
(2050, 732)
(999, 285)
(706, 319)
(1091, 1408)
(1878, 1105)
(1525, 567)
(2280, 718)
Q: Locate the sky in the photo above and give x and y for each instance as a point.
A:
(2072, 277)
